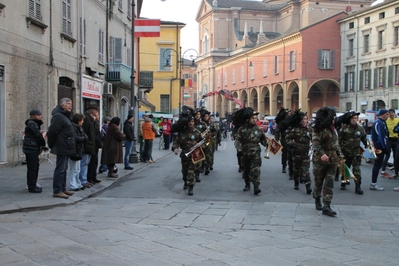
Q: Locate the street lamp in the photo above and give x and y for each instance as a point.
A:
(193, 66)
(133, 158)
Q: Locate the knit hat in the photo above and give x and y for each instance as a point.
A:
(35, 112)
(129, 116)
(382, 112)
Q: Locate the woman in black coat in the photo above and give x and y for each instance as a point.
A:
(32, 147)
(112, 146)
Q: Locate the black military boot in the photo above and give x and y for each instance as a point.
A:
(207, 171)
(240, 169)
(296, 185)
(190, 191)
(308, 189)
(358, 190)
(247, 186)
(318, 204)
(211, 168)
(185, 186)
(328, 211)
(257, 190)
(197, 177)
(343, 186)
(284, 171)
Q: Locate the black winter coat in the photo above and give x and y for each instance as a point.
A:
(89, 129)
(128, 130)
(81, 137)
(61, 133)
(33, 139)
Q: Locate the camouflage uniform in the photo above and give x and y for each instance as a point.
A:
(325, 142)
(299, 138)
(349, 140)
(186, 140)
(239, 153)
(217, 138)
(201, 127)
(247, 141)
(208, 162)
(280, 135)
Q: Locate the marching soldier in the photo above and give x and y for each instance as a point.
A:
(350, 137)
(239, 153)
(326, 156)
(299, 137)
(280, 135)
(247, 140)
(201, 127)
(207, 164)
(186, 139)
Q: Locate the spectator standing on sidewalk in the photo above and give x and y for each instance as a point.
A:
(391, 122)
(129, 132)
(103, 167)
(73, 181)
(91, 113)
(149, 131)
(140, 132)
(379, 136)
(32, 147)
(61, 141)
(112, 147)
(92, 167)
(166, 127)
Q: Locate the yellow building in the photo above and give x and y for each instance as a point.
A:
(156, 54)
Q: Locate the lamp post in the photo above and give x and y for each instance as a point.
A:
(193, 66)
(133, 158)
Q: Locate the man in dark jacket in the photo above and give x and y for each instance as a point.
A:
(61, 141)
(89, 128)
(129, 132)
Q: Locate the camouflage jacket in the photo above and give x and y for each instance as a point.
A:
(215, 133)
(200, 125)
(186, 139)
(350, 138)
(299, 138)
(326, 142)
(280, 135)
(248, 138)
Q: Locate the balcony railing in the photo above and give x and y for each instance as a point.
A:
(118, 72)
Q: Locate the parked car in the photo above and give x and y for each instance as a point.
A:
(264, 124)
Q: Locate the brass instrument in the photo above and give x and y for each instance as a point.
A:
(193, 148)
(207, 136)
(370, 147)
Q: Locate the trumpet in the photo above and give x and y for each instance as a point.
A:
(193, 148)
(207, 136)
(370, 147)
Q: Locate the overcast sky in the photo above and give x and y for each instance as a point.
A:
(178, 11)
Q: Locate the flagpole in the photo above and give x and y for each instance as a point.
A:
(133, 158)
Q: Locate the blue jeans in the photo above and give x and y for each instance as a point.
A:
(84, 166)
(73, 175)
(128, 150)
(60, 174)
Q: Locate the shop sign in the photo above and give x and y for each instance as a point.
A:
(91, 89)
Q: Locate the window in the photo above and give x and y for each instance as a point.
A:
(264, 68)
(396, 36)
(276, 64)
(165, 54)
(351, 25)
(66, 17)
(225, 79)
(101, 46)
(396, 74)
(129, 9)
(367, 78)
(380, 77)
(219, 80)
(186, 76)
(35, 9)
(292, 61)
(326, 59)
(82, 37)
(348, 106)
(349, 80)
(350, 48)
(120, 5)
(393, 75)
(242, 74)
(381, 38)
(381, 15)
(396, 10)
(164, 99)
(115, 55)
(205, 44)
(366, 43)
(233, 77)
(367, 20)
(364, 79)
(394, 104)
(252, 69)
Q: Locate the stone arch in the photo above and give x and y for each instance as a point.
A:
(293, 91)
(323, 92)
(278, 100)
(253, 99)
(219, 103)
(265, 98)
(244, 97)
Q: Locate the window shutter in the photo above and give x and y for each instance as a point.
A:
(66, 17)
(369, 81)
(100, 46)
(32, 8)
(319, 57)
(346, 82)
(361, 80)
(390, 76)
(118, 50)
(111, 49)
(384, 77)
(375, 78)
(289, 61)
(353, 80)
(332, 59)
(294, 60)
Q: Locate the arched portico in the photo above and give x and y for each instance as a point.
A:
(265, 97)
(322, 93)
(253, 99)
(293, 91)
(278, 100)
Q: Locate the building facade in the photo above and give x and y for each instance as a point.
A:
(56, 49)
(370, 58)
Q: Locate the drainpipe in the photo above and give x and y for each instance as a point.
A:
(80, 53)
(356, 88)
(51, 65)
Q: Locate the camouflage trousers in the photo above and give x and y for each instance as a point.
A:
(188, 170)
(290, 159)
(208, 162)
(239, 156)
(324, 181)
(251, 168)
(301, 169)
(354, 162)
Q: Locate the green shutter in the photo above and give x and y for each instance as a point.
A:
(384, 77)
(319, 57)
(375, 78)
(370, 72)
(361, 86)
(346, 82)
(390, 76)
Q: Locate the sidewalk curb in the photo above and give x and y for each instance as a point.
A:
(51, 202)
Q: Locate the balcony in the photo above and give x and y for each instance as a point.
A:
(146, 80)
(118, 74)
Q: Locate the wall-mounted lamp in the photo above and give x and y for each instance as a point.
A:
(250, 64)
